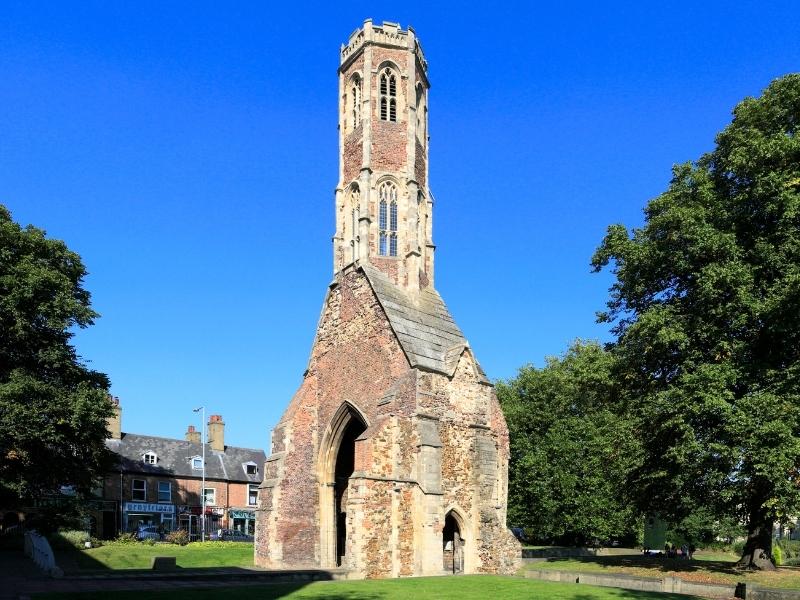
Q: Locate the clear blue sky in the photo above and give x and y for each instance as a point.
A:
(188, 152)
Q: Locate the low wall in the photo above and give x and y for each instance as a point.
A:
(754, 592)
(570, 552)
(643, 584)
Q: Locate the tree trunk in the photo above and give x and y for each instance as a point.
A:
(757, 553)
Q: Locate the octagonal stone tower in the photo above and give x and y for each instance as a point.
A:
(391, 459)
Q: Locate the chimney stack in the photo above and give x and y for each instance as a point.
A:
(114, 423)
(216, 433)
(192, 435)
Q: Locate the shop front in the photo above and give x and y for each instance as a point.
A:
(191, 519)
(242, 520)
(137, 514)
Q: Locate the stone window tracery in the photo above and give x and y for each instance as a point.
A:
(388, 93)
(355, 200)
(387, 219)
(355, 100)
(421, 114)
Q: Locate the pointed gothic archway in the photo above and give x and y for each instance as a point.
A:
(336, 465)
(453, 536)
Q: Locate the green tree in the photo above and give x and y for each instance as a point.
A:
(570, 449)
(53, 409)
(706, 310)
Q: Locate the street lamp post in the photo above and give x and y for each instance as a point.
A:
(203, 484)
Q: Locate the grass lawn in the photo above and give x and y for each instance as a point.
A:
(706, 568)
(469, 587)
(138, 556)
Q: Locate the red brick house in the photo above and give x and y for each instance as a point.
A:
(159, 481)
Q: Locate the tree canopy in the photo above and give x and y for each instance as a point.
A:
(53, 408)
(571, 449)
(706, 310)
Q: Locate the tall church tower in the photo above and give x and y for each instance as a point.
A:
(391, 459)
(383, 203)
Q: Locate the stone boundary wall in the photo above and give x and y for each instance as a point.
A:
(569, 552)
(673, 585)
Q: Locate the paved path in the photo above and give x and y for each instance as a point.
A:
(19, 578)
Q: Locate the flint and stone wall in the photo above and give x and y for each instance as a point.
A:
(433, 444)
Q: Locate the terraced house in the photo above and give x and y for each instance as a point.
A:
(159, 481)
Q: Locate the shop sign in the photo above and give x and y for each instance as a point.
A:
(149, 508)
(241, 514)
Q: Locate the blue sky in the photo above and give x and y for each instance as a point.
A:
(188, 151)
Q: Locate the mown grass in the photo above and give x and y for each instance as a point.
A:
(139, 556)
(468, 587)
(707, 567)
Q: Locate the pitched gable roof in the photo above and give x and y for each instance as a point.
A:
(424, 327)
(175, 458)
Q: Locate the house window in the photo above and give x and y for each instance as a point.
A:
(251, 469)
(164, 491)
(388, 93)
(252, 494)
(209, 497)
(139, 490)
(150, 458)
(197, 463)
(387, 219)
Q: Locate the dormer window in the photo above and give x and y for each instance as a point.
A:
(150, 458)
(197, 463)
(251, 468)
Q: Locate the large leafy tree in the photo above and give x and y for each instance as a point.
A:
(706, 309)
(571, 451)
(53, 409)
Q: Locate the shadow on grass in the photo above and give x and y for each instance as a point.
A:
(654, 563)
(262, 592)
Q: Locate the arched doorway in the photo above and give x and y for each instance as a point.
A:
(337, 463)
(452, 544)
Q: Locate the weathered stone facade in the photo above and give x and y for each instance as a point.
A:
(391, 459)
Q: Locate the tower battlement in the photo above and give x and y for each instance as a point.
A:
(388, 34)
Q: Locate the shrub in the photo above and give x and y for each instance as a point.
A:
(96, 542)
(777, 555)
(124, 539)
(69, 538)
(790, 549)
(179, 536)
(218, 544)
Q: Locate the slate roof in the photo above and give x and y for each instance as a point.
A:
(427, 332)
(175, 458)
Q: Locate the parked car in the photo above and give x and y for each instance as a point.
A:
(231, 535)
(148, 532)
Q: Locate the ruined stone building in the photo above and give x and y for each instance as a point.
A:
(391, 459)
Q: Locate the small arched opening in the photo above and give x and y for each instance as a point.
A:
(452, 544)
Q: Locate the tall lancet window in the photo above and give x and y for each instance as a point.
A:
(355, 98)
(387, 219)
(355, 198)
(388, 95)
